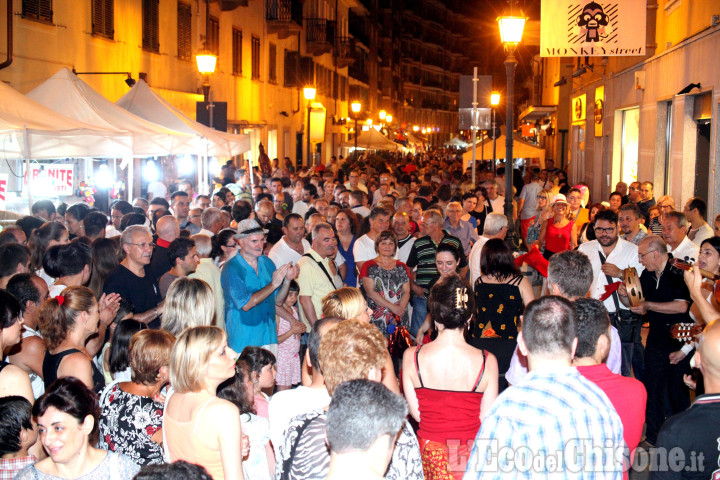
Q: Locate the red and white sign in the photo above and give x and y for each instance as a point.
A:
(50, 180)
(3, 189)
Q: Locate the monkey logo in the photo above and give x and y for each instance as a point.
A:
(592, 22)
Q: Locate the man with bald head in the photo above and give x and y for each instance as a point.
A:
(167, 230)
(666, 302)
(693, 434)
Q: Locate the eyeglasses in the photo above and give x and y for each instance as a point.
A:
(641, 255)
(633, 189)
(604, 230)
(194, 216)
(232, 246)
(540, 197)
(663, 207)
(143, 245)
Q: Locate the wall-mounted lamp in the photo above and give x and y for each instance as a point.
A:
(129, 80)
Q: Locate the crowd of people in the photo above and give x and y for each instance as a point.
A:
(362, 319)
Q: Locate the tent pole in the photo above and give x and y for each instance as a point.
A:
(27, 170)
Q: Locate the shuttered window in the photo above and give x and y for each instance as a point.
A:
(184, 29)
(103, 18)
(255, 58)
(214, 36)
(151, 25)
(40, 10)
(237, 51)
(272, 63)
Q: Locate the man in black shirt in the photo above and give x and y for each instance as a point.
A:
(696, 431)
(167, 231)
(666, 303)
(130, 280)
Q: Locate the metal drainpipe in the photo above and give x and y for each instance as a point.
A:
(9, 60)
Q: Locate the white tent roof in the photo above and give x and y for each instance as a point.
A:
(455, 142)
(413, 138)
(373, 140)
(521, 149)
(30, 130)
(65, 93)
(146, 103)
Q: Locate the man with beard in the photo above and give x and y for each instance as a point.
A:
(609, 256)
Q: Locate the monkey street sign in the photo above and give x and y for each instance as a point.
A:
(582, 28)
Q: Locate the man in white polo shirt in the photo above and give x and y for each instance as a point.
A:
(292, 246)
(364, 249)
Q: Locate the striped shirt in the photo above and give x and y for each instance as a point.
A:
(422, 256)
(553, 424)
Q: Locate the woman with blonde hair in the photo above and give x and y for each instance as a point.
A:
(189, 303)
(198, 426)
(349, 303)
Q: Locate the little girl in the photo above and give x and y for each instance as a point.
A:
(262, 373)
(289, 329)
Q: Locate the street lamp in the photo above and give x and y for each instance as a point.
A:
(356, 107)
(309, 93)
(388, 118)
(511, 30)
(382, 114)
(494, 101)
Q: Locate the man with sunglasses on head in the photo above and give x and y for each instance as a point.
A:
(609, 256)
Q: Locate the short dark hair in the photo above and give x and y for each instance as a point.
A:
(449, 248)
(443, 304)
(132, 219)
(699, 204)
(311, 189)
(549, 326)
(257, 358)
(607, 215)
(376, 212)
(7, 235)
(160, 201)
(360, 412)
(572, 272)
(71, 396)
(615, 194)
(9, 310)
(29, 223)
(291, 216)
(122, 206)
(22, 287)
(592, 322)
(64, 260)
(173, 471)
(179, 248)
(241, 210)
(94, 223)
(45, 204)
(178, 193)
(10, 255)
(631, 207)
(15, 415)
(78, 210)
(315, 337)
(496, 259)
(358, 196)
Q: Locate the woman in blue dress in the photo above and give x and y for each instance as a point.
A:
(252, 287)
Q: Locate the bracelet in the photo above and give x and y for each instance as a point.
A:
(156, 312)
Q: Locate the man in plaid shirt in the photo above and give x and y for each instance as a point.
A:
(554, 423)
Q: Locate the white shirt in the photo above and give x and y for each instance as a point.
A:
(498, 205)
(403, 253)
(360, 210)
(687, 251)
(702, 234)
(474, 259)
(359, 186)
(624, 255)
(286, 405)
(364, 249)
(300, 208)
(111, 231)
(281, 253)
(158, 189)
(207, 232)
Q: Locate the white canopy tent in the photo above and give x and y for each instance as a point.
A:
(142, 101)
(372, 140)
(65, 93)
(29, 130)
(456, 142)
(521, 149)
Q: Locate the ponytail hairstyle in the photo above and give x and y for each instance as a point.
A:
(57, 316)
(39, 240)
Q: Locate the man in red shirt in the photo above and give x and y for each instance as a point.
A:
(626, 394)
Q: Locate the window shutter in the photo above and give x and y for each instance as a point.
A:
(151, 25)
(103, 18)
(184, 39)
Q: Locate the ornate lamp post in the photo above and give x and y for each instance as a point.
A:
(356, 107)
(511, 30)
(309, 93)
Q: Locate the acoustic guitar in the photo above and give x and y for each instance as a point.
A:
(686, 332)
(679, 266)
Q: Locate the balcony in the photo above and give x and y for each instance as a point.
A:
(344, 50)
(284, 17)
(358, 69)
(229, 5)
(320, 35)
(356, 27)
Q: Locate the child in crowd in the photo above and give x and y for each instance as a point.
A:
(240, 390)
(18, 435)
(289, 329)
(262, 373)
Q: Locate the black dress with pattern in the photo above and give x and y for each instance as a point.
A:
(498, 306)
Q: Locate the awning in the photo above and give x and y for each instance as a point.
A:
(537, 112)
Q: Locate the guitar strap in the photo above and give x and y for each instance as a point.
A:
(609, 282)
(329, 277)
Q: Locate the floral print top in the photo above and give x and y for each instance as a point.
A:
(127, 422)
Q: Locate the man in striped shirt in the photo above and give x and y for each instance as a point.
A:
(422, 259)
